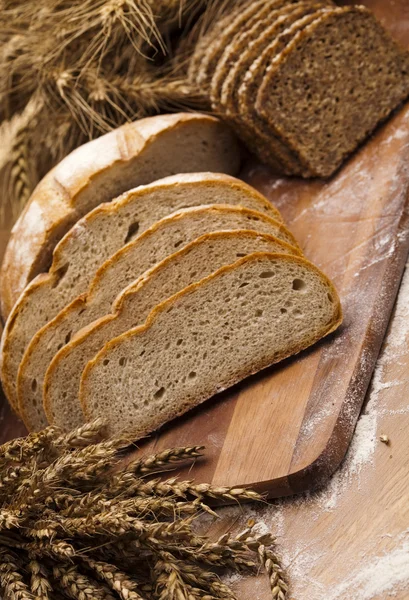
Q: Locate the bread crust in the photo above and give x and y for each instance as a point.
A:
(188, 290)
(56, 203)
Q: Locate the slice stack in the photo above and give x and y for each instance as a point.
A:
(190, 237)
(303, 83)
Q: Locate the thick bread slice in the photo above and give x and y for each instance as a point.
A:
(132, 307)
(96, 237)
(206, 338)
(230, 26)
(155, 244)
(254, 130)
(332, 110)
(134, 154)
(238, 58)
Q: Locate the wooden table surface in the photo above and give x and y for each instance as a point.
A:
(349, 540)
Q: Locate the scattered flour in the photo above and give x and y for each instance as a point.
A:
(386, 573)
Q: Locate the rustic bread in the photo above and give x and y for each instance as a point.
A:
(229, 26)
(206, 338)
(134, 154)
(194, 262)
(238, 58)
(155, 244)
(100, 234)
(254, 130)
(332, 110)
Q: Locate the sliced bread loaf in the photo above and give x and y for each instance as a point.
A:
(195, 261)
(254, 130)
(134, 154)
(332, 110)
(238, 59)
(151, 247)
(96, 237)
(206, 338)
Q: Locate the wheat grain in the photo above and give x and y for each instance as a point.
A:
(40, 581)
(275, 573)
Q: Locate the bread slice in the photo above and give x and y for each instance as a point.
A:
(254, 130)
(100, 234)
(332, 110)
(194, 262)
(135, 154)
(155, 244)
(229, 26)
(238, 58)
(204, 339)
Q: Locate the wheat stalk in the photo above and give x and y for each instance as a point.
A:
(78, 523)
(70, 71)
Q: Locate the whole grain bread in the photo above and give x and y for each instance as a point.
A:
(332, 110)
(206, 338)
(228, 27)
(151, 247)
(237, 59)
(254, 130)
(99, 235)
(195, 261)
(134, 154)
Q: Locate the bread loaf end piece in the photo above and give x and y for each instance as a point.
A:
(208, 337)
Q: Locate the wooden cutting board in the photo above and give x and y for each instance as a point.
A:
(288, 428)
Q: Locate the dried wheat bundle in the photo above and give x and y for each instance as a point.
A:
(77, 521)
(89, 66)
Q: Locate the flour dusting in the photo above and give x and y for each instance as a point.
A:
(375, 576)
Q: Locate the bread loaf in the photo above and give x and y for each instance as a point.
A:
(193, 262)
(96, 237)
(206, 338)
(155, 244)
(134, 154)
(333, 109)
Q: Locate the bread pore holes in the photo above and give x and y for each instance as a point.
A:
(159, 393)
(177, 244)
(122, 361)
(259, 312)
(266, 274)
(105, 362)
(34, 385)
(68, 337)
(192, 375)
(132, 231)
(299, 285)
(330, 298)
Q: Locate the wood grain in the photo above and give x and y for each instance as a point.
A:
(288, 428)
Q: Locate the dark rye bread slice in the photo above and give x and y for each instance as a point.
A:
(256, 130)
(99, 235)
(126, 265)
(350, 75)
(192, 263)
(239, 320)
(238, 60)
(230, 26)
